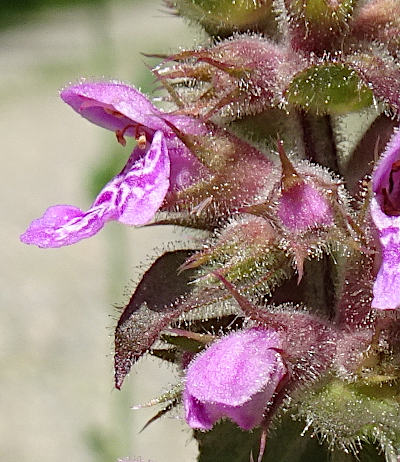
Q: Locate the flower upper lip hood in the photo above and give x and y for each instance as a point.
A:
(160, 162)
(126, 111)
(385, 211)
(115, 105)
(235, 377)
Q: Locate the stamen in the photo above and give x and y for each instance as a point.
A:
(120, 134)
(113, 112)
(140, 136)
(141, 141)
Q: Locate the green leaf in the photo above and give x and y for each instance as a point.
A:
(346, 413)
(329, 89)
(228, 443)
(225, 16)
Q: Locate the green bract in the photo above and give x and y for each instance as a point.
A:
(324, 11)
(329, 88)
(225, 16)
(348, 413)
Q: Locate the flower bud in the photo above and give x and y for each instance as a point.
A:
(236, 377)
(235, 78)
(309, 342)
(301, 205)
(308, 208)
(379, 20)
(222, 17)
(318, 25)
(246, 251)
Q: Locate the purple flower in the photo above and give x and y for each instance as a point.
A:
(132, 197)
(160, 162)
(235, 377)
(385, 212)
(124, 110)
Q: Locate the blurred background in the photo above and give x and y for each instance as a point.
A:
(58, 312)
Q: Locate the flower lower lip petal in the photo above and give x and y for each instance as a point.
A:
(132, 197)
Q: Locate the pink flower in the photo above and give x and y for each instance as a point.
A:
(236, 377)
(160, 162)
(385, 212)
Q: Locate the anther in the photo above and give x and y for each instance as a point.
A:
(120, 134)
(140, 137)
(141, 141)
(113, 112)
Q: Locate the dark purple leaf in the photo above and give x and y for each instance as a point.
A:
(153, 305)
(160, 298)
(372, 144)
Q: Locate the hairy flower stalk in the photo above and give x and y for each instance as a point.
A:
(286, 315)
